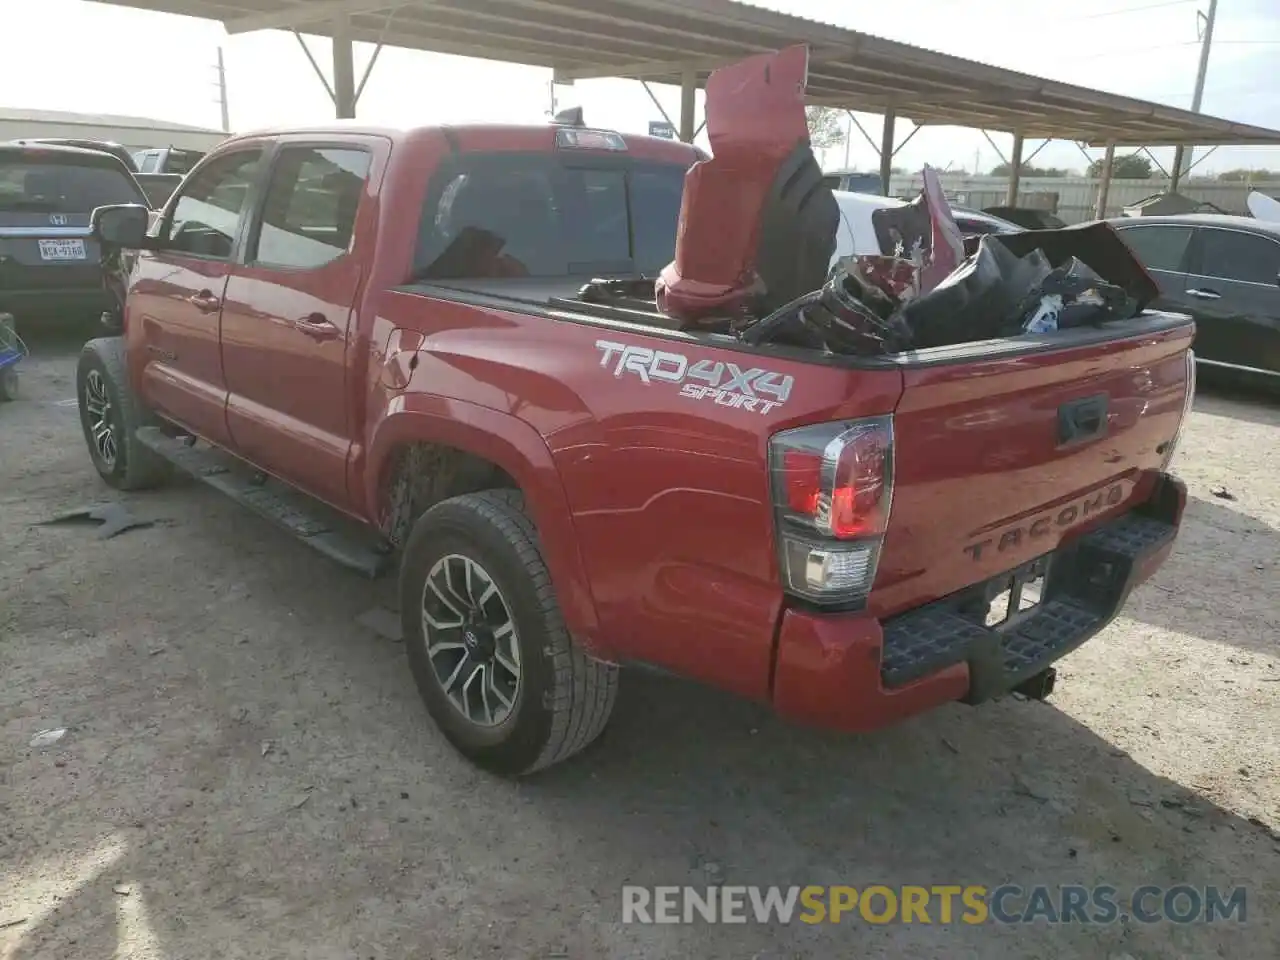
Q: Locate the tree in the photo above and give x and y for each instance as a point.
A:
(1003, 170)
(1238, 176)
(1131, 167)
(826, 126)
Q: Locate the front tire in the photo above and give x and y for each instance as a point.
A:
(487, 644)
(110, 415)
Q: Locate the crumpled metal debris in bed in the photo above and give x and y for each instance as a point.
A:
(930, 287)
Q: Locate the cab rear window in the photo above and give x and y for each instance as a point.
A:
(520, 215)
(31, 184)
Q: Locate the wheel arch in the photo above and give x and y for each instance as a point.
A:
(481, 436)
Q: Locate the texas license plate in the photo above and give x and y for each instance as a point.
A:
(62, 250)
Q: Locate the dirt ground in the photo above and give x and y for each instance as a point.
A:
(247, 773)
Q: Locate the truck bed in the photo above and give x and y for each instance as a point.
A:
(982, 455)
(557, 298)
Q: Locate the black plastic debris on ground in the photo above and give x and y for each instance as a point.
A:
(113, 519)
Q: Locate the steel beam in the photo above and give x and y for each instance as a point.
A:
(328, 87)
(1015, 172)
(302, 14)
(688, 103)
(344, 71)
(1104, 188)
(643, 70)
(657, 103)
(886, 151)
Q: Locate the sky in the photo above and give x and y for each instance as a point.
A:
(91, 57)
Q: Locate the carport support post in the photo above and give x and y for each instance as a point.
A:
(886, 150)
(1015, 172)
(688, 103)
(1104, 188)
(344, 72)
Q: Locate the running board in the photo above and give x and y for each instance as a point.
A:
(312, 522)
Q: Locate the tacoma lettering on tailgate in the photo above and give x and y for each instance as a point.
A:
(1068, 515)
(725, 384)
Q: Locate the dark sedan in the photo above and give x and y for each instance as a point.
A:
(1225, 272)
(976, 223)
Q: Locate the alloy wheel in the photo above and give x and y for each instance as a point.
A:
(471, 640)
(101, 417)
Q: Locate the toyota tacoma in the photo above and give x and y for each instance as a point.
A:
(427, 353)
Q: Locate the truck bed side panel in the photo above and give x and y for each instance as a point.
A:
(667, 483)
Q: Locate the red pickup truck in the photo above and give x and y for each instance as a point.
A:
(567, 484)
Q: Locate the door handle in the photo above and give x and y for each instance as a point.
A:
(317, 327)
(204, 301)
(1205, 294)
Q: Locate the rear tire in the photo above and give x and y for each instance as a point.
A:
(476, 601)
(110, 415)
(8, 384)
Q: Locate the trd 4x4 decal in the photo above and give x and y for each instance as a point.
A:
(725, 384)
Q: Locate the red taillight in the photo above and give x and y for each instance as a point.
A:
(803, 478)
(833, 488)
(860, 498)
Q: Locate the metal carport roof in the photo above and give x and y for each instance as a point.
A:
(676, 40)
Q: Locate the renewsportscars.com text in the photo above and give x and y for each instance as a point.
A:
(938, 904)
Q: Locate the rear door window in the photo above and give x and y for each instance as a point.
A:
(534, 216)
(309, 214)
(1159, 247)
(206, 217)
(31, 183)
(1233, 255)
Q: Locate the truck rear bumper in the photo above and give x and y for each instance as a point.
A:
(853, 672)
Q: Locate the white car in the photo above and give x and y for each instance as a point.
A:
(857, 235)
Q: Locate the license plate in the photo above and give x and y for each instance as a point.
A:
(62, 250)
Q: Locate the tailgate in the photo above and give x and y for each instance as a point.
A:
(1000, 459)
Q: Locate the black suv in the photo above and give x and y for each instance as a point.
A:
(106, 146)
(49, 263)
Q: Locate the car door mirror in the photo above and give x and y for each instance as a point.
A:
(122, 225)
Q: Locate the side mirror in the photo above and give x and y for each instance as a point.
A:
(122, 225)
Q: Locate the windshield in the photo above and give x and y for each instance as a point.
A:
(521, 216)
(41, 185)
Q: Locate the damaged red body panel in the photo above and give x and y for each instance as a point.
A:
(755, 121)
